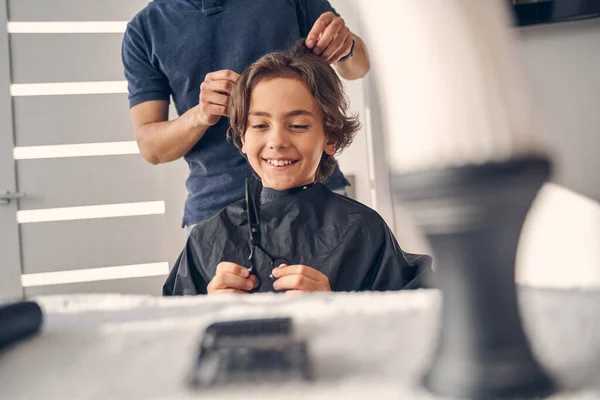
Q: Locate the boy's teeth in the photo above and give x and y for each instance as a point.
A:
(279, 163)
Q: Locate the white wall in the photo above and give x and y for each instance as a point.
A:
(562, 63)
(355, 159)
(366, 158)
(560, 242)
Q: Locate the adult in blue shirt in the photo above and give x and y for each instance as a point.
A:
(192, 51)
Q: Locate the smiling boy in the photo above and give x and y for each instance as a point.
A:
(289, 117)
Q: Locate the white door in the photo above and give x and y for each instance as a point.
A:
(96, 217)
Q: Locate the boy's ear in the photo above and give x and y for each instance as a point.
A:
(243, 139)
(329, 147)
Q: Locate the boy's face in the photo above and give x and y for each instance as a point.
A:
(284, 140)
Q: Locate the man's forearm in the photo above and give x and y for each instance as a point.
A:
(165, 141)
(356, 66)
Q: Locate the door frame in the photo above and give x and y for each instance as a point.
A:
(10, 250)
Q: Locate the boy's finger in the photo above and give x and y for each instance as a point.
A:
(231, 281)
(296, 282)
(298, 269)
(294, 292)
(229, 291)
(232, 268)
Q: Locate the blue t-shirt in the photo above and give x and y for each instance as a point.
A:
(171, 45)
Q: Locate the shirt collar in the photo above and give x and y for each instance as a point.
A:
(267, 194)
(209, 7)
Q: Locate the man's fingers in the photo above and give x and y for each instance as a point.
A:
(336, 45)
(215, 109)
(223, 87)
(328, 35)
(320, 24)
(343, 50)
(215, 98)
(232, 268)
(224, 74)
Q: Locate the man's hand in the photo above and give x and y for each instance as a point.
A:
(300, 278)
(214, 96)
(231, 278)
(330, 37)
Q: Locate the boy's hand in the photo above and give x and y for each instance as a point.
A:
(231, 278)
(214, 96)
(299, 279)
(330, 37)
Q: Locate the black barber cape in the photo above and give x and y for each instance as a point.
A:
(342, 238)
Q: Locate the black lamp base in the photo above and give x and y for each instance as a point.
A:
(473, 217)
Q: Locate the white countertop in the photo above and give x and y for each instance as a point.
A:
(362, 344)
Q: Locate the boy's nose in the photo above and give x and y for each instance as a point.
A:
(277, 138)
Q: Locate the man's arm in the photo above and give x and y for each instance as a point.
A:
(356, 66)
(160, 140)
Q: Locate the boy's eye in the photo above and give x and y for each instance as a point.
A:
(299, 127)
(259, 126)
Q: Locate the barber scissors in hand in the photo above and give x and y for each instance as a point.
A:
(254, 242)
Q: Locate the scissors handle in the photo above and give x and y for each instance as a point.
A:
(252, 270)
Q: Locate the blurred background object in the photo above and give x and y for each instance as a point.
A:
(560, 242)
(19, 320)
(466, 161)
(530, 12)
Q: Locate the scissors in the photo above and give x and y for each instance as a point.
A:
(254, 239)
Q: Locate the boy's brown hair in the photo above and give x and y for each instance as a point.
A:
(322, 82)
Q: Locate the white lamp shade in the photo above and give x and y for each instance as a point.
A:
(449, 84)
